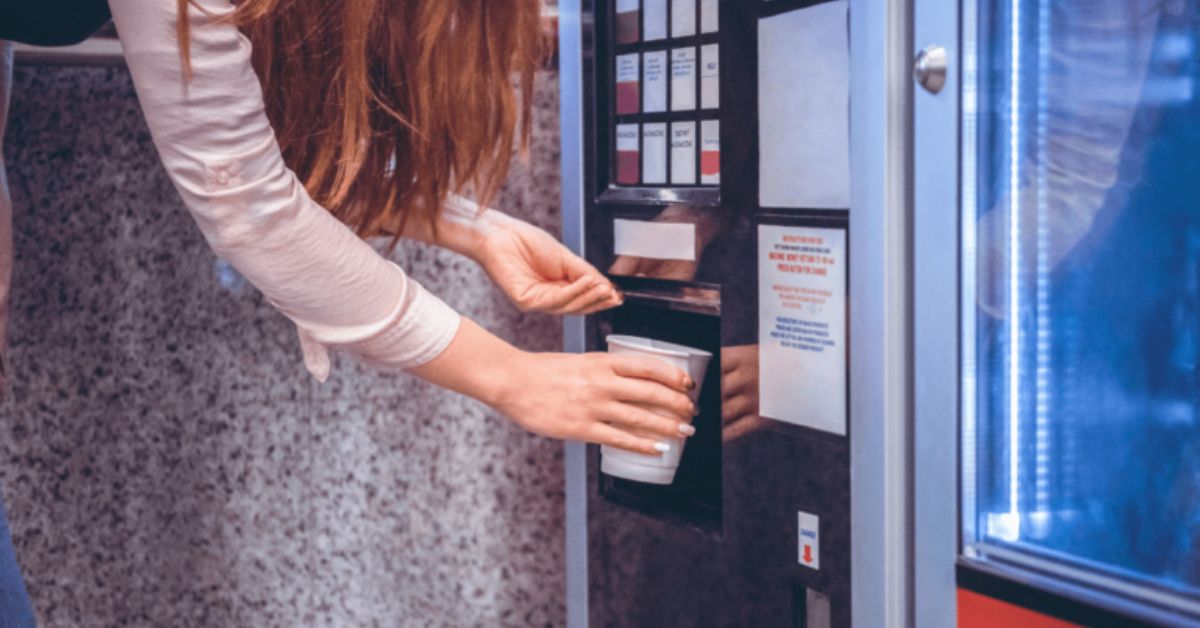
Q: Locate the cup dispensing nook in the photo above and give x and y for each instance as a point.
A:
(708, 141)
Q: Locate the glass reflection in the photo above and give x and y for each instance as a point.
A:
(1086, 358)
(723, 241)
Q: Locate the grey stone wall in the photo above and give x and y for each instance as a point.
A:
(167, 461)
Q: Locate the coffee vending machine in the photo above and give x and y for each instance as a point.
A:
(707, 170)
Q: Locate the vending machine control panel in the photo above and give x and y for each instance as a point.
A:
(716, 198)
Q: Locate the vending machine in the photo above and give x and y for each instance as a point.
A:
(707, 172)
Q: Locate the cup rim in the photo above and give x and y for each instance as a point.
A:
(659, 347)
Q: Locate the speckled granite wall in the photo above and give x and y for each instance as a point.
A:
(166, 459)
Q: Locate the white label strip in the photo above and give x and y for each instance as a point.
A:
(627, 68)
(654, 151)
(683, 153)
(624, 6)
(656, 19)
(654, 240)
(710, 152)
(655, 84)
(710, 74)
(709, 16)
(683, 79)
(683, 18)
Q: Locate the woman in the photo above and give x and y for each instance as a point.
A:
(370, 116)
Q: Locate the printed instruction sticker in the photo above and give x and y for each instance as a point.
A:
(809, 530)
(802, 326)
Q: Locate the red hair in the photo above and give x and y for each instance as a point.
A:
(385, 107)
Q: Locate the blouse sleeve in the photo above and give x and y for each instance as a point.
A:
(218, 148)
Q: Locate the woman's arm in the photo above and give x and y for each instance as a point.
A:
(586, 397)
(219, 149)
(535, 271)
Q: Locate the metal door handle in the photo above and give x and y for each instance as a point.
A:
(929, 68)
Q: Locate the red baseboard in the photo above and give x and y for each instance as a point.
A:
(979, 611)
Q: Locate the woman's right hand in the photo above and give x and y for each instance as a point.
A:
(599, 398)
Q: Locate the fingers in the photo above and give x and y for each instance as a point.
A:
(648, 393)
(548, 297)
(734, 408)
(641, 421)
(643, 367)
(602, 434)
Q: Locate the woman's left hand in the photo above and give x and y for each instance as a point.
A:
(537, 272)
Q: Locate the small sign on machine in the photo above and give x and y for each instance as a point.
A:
(809, 527)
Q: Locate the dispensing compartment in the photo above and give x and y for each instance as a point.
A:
(685, 314)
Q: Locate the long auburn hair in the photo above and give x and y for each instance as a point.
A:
(383, 108)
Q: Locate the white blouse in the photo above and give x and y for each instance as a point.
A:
(218, 147)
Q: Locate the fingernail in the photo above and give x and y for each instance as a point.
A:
(689, 383)
(662, 447)
(687, 429)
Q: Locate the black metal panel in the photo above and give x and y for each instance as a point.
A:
(719, 547)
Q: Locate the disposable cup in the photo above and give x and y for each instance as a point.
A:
(659, 468)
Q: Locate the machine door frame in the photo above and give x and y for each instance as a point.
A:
(938, 149)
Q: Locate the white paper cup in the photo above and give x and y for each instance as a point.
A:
(659, 468)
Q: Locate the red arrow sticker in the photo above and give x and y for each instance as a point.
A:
(809, 539)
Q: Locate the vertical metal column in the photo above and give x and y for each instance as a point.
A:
(936, 263)
(570, 81)
(880, 310)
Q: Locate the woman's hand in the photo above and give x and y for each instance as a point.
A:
(594, 397)
(537, 272)
(601, 398)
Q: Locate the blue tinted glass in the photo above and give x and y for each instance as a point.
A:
(1084, 421)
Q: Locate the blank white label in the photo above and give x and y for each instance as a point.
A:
(683, 79)
(710, 76)
(654, 153)
(655, 85)
(683, 153)
(683, 18)
(709, 16)
(655, 15)
(710, 152)
(803, 108)
(624, 6)
(654, 240)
